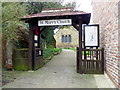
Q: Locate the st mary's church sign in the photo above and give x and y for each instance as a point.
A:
(54, 22)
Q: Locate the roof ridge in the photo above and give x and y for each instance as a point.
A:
(59, 8)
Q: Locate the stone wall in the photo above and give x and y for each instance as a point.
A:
(106, 14)
(67, 31)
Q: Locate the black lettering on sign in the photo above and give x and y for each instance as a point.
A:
(57, 22)
(52, 22)
(46, 22)
(41, 22)
(68, 21)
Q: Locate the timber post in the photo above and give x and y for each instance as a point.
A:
(80, 46)
(32, 26)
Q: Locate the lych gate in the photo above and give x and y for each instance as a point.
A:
(38, 22)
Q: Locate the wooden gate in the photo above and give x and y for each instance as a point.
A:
(92, 61)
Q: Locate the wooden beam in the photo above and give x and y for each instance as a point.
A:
(32, 26)
(75, 25)
(77, 59)
(102, 60)
(79, 28)
(42, 29)
(80, 46)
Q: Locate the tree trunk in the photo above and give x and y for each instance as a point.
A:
(4, 56)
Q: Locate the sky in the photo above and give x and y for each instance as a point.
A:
(82, 5)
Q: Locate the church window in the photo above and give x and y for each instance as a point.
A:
(63, 38)
(66, 39)
(69, 38)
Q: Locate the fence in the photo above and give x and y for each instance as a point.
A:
(92, 61)
(20, 59)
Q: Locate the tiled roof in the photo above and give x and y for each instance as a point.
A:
(51, 14)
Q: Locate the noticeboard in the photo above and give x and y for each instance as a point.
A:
(91, 35)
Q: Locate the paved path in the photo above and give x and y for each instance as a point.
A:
(60, 72)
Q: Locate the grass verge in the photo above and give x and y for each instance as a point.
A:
(74, 49)
(49, 52)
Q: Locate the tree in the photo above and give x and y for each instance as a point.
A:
(70, 4)
(11, 27)
(11, 14)
(36, 7)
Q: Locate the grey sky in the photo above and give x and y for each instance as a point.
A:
(82, 5)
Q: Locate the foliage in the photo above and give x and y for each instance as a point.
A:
(50, 52)
(11, 14)
(87, 52)
(36, 7)
(74, 49)
(48, 36)
(56, 50)
(33, 7)
(70, 4)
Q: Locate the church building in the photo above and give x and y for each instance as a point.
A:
(66, 38)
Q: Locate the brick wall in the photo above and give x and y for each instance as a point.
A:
(106, 14)
(119, 41)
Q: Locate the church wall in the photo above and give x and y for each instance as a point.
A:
(66, 31)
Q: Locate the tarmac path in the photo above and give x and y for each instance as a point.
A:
(60, 72)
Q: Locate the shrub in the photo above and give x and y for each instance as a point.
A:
(50, 52)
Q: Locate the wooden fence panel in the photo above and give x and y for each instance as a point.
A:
(20, 59)
(92, 61)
